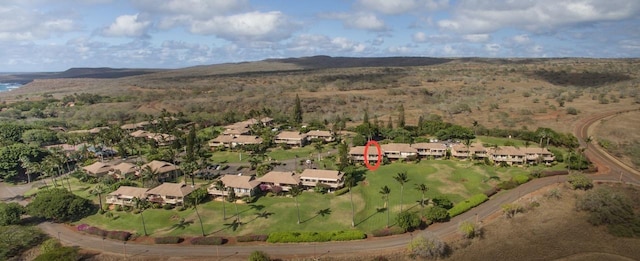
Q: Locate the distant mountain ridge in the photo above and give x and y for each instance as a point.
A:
(97, 73)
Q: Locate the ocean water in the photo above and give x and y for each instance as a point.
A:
(7, 86)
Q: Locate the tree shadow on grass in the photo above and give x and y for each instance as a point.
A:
(321, 212)
(378, 211)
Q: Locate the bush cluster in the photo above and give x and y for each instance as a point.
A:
(521, 179)
(387, 232)
(96, 231)
(492, 191)
(549, 173)
(252, 238)
(470, 203)
(436, 214)
(295, 237)
(119, 235)
(341, 191)
(215, 241)
(168, 240)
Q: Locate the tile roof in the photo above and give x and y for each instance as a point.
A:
(239, 181)
(171, 189)
(280, 177)
(97, 168)
(321, 174)
(129, 192)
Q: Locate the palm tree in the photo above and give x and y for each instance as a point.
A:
(220, 187)
(254, 161)
(142, 204)
(318, 147)
(149, 173)
(98, 190)
(385, 191)
(543, 134)
(188, 168)
(232, 198)
(422, 188)
(401, 178)
(28, 166)
(350, 181)
(295, 191)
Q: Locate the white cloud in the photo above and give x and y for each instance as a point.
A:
(312, 44)
(473, 16)
(127, 26)
(476, 38)
(492, 48)
(395, 7)
(520, 39)
(359, 20)
(25, 24)
(253, 26)
(419, 37)
(195, 9)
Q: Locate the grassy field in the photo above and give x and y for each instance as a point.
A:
(320, 212)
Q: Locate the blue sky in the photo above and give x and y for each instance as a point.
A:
(54, 35)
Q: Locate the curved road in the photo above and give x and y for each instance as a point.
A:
(609, 168)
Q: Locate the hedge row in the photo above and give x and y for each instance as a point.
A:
(464, 206)
(296, 237)
(521, 178)
(549, 173)
(117, 235)
(168, 240)
(387, 232)
(215, 241)
(252, 238)
(341, 191)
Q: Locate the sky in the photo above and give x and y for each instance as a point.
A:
(54, 35)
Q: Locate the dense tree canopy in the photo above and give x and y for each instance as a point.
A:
(10, 213)
(60, 205)
(10, 159)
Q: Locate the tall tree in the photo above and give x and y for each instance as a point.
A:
(343, 154)
(233, 198)
(297, 111)
(385, 191)
(422, 188)
(98, 190)
(350, 181)
(401, 120)
(318, 147)
(28, 166)
(401, 177)
(365, 118)
(390, 123)
(141, 204)
(220, 187)
(295, 191)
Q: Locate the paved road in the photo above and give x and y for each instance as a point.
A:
(609, 170)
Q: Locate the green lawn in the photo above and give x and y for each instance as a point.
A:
(455, 179)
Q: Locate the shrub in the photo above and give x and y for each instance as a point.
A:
(507, 184)
(492, 191)
(579, 181)
(168, 240)
(259, 256)
(387, 232)
(442, 201)
(295, 237)
(252, 238)
(167, 206)
(554, 193)
(436, 214)
(469, 229)
(96, 231)
(341, 191)
(60, 254)
(10, 213)
(408, 220)
(550, 173)
(427, 246)
(464, 206)
(511, 209)
(49, 245)
(15, 239)
(521, 179)
(82, 227)
(119, 235)
(215, 241)
(572, 111)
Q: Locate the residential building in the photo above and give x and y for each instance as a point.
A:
(285, 180)
(508, 154)
(161, 168)
(97, 169)
(357, 154)
(291, 138)
(231, 141)
(123, 169)
(431, 149)
(538, 155)
(331, 179)
(242, 185)
(326, 136)
(169, 193)
(125, 195)
(395, 151)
